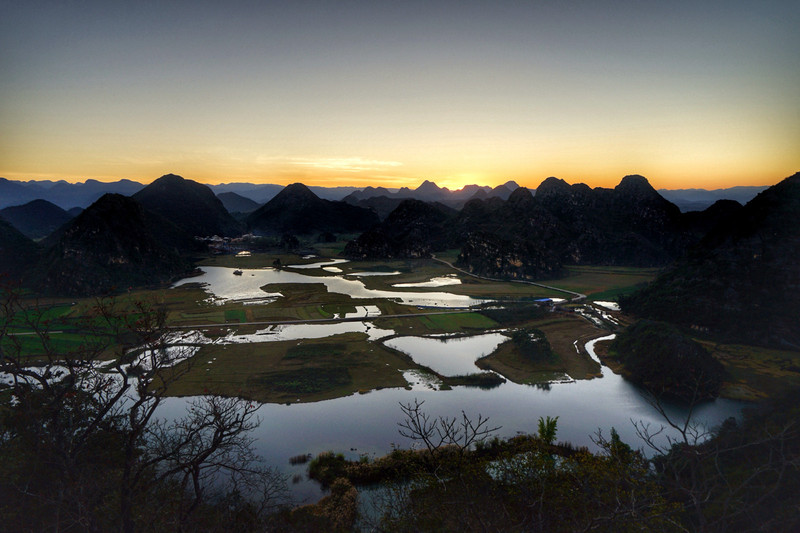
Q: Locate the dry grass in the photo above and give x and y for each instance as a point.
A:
(256, 370)
(755, 372)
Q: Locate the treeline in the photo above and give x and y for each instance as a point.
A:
(660, 358)
(742, 478)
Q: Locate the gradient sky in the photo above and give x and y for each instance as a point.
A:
(689, 94)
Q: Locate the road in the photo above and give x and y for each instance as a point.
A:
(323, 320)
(576, 296)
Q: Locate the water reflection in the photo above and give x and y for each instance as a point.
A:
(448, 356)
(223, 285)
(374, 273)
(319, 264)
(442, 281)
(367, 423)
(292, 332)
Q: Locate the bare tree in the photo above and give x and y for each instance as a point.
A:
(435, 432)
(724, 477)
(443, 435)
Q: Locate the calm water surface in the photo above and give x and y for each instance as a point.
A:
(367, 423)
(448, 356)
(223, 285)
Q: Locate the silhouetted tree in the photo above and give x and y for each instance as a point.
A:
(81, 441)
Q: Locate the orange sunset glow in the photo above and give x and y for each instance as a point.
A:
(384, 94)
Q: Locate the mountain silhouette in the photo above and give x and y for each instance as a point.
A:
(366, 193)
(36, 219)
(428, 191)
(381, 205)
(414, 229)
(189, 205)
(700, 223)
(530, 236)
(17, 253)
(296, 209)
(236, 203)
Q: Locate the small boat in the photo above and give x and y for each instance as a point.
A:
(237, 272)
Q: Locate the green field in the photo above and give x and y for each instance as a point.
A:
(457, 322)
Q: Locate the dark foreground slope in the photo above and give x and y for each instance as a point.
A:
(296, 209)
(17, 252)
(742, 281)
(115, 243)
(189, 205)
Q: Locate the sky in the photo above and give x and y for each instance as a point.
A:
(688, 94)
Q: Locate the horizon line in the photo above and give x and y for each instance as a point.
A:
(313, 183)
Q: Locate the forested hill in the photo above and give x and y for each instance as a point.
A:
(17, 252)
(529, 236)
(114, 244)
(742, 281)
(36, 219)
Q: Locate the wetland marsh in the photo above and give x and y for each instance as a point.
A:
(330, 355)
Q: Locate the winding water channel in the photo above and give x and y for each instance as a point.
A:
(367, 423)
(224, 286)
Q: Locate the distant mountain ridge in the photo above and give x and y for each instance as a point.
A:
(62, 193)
(700, 199)
(428, 191)
(236, 203)
(263, 193)
(67, 195)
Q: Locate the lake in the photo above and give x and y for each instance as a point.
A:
(367, 423)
